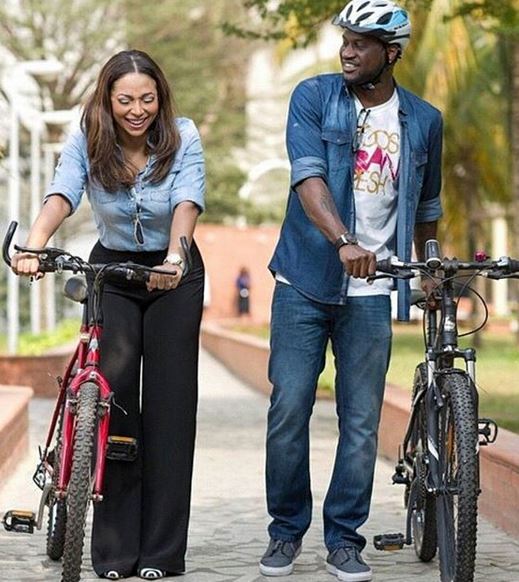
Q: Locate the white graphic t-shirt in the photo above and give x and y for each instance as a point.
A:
(375, 183)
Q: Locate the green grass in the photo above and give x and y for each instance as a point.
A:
(36, 344)
(497, 369)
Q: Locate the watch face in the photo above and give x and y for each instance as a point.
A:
(174, 259)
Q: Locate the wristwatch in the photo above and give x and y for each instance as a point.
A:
(346, 239)
(175, 259)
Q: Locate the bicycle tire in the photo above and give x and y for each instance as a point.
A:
(79, 489)
(57, 517)
(459, 475)
(423, 507)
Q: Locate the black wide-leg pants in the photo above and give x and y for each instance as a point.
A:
(143, 518)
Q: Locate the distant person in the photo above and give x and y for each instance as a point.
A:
(365, 160)
(243, 292)
(142, 168)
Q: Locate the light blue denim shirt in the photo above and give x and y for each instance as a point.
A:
(116, 213)
(320, 128)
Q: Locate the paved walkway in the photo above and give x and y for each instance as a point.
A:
(227, 533)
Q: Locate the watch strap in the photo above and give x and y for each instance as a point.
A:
(346, 238)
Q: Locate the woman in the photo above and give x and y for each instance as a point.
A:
(143, 171)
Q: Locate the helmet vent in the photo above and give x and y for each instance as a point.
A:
(385, 19)
(363, 17)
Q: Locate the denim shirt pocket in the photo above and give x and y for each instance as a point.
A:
(160, 195)
(338, 148)
(100, 196)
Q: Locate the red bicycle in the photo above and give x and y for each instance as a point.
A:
(72, 463)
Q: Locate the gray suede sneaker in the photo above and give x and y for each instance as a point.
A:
(347, 564)
(279, 558)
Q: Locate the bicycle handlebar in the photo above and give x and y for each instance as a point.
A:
(493, 269)
(54, 259)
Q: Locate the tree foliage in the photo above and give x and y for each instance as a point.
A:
(80, 34)
(207, 71)
(297, 21)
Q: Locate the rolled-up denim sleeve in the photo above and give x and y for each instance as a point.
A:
(306, 150)
(70, 175)
(189, 184)
(429, 207)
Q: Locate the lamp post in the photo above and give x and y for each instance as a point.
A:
(13, 324)
(38, 69)
(61, 118)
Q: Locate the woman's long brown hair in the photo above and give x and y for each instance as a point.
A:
(107, 165)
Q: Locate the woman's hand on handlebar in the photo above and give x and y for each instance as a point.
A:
(26, 265)
(164, 282)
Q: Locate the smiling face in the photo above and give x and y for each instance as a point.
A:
(135, 105)
(362, 57)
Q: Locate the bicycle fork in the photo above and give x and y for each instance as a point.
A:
(103, 422)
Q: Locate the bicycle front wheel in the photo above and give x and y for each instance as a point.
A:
(80, 485)
(456, 503)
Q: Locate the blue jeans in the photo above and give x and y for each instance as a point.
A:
(360, 332)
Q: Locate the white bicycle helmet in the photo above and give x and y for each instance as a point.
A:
(382, 19)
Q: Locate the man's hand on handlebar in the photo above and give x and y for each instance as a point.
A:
(26, 265)
(357, 261)
(165, 282)
(430, 288)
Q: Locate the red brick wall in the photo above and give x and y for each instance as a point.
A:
(225, 249)
(14, 422)
(38, 372)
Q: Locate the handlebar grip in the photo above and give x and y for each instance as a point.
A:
(7, 241)
(514, 265)
(385, 266)
(432, 254)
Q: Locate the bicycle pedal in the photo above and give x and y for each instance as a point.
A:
(19, 521)
(487, 428)
(390, 542)
(400, 478)
(121, 448)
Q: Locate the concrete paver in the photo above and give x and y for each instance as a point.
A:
(228, 524)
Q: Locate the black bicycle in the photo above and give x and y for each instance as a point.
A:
(438, 460)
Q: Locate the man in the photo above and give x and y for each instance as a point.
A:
(365, 177)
